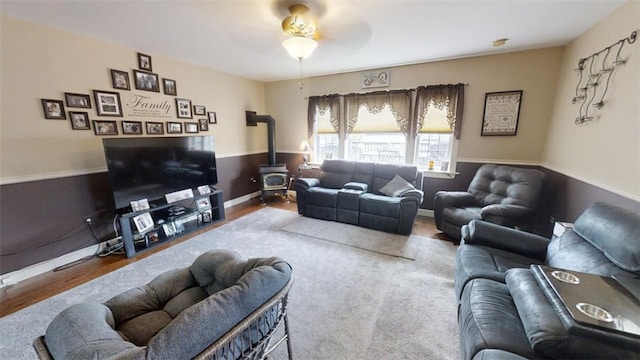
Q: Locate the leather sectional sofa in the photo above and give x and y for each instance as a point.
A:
(515, 302)
(378, 196)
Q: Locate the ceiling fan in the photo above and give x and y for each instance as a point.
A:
(302, 26)
(303, 31)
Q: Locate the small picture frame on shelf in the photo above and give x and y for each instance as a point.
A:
(169, 87)
(147, 81)
(131, 127)
(143, 222)
(204, 189)
(204, 124)
(213, 119)
(79, 120)
(138, 205)
(169, 229)
(105, 127)
(144, 62)
(53, 109)
(199, 110)
(120, 80)
(107, 103)
(207, 216)
(203, 204)
(183, 107)
(174, 127)
(78, 100)
(191, 127)
(154, 128)
(152, 236)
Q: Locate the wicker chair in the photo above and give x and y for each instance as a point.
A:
(221, 307)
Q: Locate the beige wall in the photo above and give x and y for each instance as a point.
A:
(534, 72)
(39, 62)
(606, 151)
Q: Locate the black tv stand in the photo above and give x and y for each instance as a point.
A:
(200, 212)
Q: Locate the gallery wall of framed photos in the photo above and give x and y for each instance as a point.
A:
(107, 103)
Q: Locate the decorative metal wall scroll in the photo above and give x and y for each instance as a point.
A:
(595, 72)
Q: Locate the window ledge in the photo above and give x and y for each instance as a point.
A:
(438, 174)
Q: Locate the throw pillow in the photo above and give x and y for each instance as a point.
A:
(396, 187)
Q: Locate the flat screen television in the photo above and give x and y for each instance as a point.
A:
(150, 167)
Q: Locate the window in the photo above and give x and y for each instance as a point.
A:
(326, 139)
(434, 141)
(376, 137)
(378, 127)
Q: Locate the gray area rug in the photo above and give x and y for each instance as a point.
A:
(346, 302)
(384, 243)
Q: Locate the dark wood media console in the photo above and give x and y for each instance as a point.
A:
(161, 223)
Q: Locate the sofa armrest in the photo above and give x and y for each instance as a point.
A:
(305, 183)
(356, 186)
(412, 195)
(455, 199)
(484, 233)
(506, 211)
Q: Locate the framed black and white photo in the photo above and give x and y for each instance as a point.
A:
(190, 127)
(212, 118)
(131, 127)
(199, 110)
(183, 107)
(501, 113)
(79, 120)
(146, 81)
(169, 87)
(78, 100)
(120, 80)
(107, 103)
(174, 127)
(144, 222)
(105, 127)
(207, 216)
(203, 204)
(154, 128)
(53, 109)
(204, 124)
(138, 205)
(144, 62)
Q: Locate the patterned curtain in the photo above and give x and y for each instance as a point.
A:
(321, 104)
(399, 101)
(442, 97)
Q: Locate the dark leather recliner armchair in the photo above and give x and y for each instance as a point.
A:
(502, 195)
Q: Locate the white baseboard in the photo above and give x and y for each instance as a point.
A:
(15, 277)
(425, 212)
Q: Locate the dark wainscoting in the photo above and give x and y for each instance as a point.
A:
(41, 220)
(44, 219)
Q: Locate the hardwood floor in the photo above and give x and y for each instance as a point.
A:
(33, 290)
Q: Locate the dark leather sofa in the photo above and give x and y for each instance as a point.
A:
(507, 310)
(362, 193)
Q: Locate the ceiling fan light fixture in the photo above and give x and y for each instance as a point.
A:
(299, 23)
(300, 47)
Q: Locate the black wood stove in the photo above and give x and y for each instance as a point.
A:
(273, 177)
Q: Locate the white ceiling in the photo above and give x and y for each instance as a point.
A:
(243, 37)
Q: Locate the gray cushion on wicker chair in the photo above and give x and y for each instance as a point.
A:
(176, 315)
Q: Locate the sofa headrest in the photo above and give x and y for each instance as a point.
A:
(614, 231)
(497, 184)
(334, 173)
